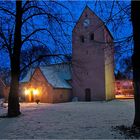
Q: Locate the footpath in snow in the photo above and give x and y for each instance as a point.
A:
(73, 120)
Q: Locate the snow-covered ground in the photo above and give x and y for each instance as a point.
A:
(74, 120)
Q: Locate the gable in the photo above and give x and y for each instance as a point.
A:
(38, 76)
(96, 23)
(88, 13)
(55, 75)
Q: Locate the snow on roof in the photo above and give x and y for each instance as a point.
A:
(57, 75)
(28, 76)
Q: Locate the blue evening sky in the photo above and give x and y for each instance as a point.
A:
(102, 9)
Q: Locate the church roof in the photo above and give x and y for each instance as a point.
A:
(28, 76)
(57, 75)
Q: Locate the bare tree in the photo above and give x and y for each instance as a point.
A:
(124, 46)
(135, 5)
(31, 23)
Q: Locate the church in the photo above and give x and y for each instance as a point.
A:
(92, 59)
(90, 77)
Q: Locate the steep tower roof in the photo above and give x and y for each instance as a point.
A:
(93, 15)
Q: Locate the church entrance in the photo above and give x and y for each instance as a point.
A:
(87, 94)
(32, 96)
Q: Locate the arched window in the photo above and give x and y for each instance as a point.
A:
(92, 36)
(82, 39)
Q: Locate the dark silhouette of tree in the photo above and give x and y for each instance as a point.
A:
(126, 67)
(116, 15)
(31, 54)
(5, 75)
(135, 16)
(121, 46)
(120, 76)
(13, 99)
(31, 23)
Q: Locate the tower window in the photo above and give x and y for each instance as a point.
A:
(82, 38)
(92, 36)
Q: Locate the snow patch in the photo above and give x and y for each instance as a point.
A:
(73, 120)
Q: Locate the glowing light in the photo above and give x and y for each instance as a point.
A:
(30, 91)
(27, 92)
(35, 92)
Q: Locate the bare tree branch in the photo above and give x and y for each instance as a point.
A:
(41, 57)
(7, 11)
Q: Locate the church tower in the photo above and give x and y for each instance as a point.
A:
(92, 59)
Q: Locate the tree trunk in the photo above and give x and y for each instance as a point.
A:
(135, 16)
(13, 100)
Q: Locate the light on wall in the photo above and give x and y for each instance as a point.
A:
(27, 91)
(31, 90)
(35, 91)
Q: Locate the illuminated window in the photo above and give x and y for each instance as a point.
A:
(82, 39)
